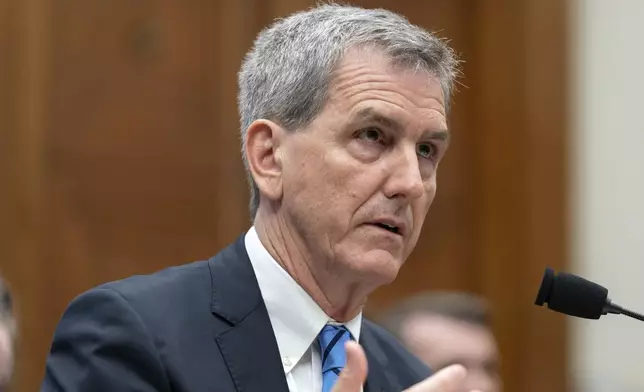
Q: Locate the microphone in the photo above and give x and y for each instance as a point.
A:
(575, 296)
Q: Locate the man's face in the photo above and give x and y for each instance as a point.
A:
(439, 342)
(6, 357)
(358, 181)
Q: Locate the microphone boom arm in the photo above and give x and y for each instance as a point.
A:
(616, 309)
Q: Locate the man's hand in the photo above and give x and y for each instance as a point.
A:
(354, 375)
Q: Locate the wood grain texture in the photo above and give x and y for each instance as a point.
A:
(522, 172)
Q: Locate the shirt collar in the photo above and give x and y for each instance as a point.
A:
(296, 318)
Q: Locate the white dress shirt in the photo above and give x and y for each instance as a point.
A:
(296, 318)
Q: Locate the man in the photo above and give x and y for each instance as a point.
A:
(7, 336)
(343, 119)
(448, 328)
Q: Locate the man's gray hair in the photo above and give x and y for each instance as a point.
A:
(285, 76)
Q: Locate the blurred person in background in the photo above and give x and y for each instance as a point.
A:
(7, 336)
(344, 123)
(445, 328)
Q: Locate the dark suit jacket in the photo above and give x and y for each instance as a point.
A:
(201, 327)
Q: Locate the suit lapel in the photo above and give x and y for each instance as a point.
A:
(379, 378)
(248, 346)
(252, 356)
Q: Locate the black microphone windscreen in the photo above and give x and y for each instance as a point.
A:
(546, 287)
(572, 295)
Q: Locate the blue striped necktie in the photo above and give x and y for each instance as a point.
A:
(332, 340)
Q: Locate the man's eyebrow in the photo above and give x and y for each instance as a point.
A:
(440, 134)
(369, 114)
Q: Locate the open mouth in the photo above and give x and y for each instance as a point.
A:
(387, 227)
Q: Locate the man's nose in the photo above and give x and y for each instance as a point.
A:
(405, 179)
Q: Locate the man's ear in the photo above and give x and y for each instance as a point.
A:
(262, 151)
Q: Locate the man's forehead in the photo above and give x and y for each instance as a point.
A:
(421, 324)
(442, 336)
(377, 59)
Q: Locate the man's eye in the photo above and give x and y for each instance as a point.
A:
(371, 134)
(426, 150)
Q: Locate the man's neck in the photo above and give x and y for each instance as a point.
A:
(340, 299)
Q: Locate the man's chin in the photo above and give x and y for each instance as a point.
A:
(379, 267)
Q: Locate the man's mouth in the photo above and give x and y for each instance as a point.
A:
(393, 229)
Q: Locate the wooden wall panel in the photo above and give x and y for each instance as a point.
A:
(546, 48)
(121, 136)
(23, 67)
(503, 202)
(119, 151)
(521, 108)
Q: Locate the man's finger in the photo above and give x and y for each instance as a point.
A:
(449, 379)
(354, 374)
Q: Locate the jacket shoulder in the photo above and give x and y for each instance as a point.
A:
(175, 293)
(171, 281)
